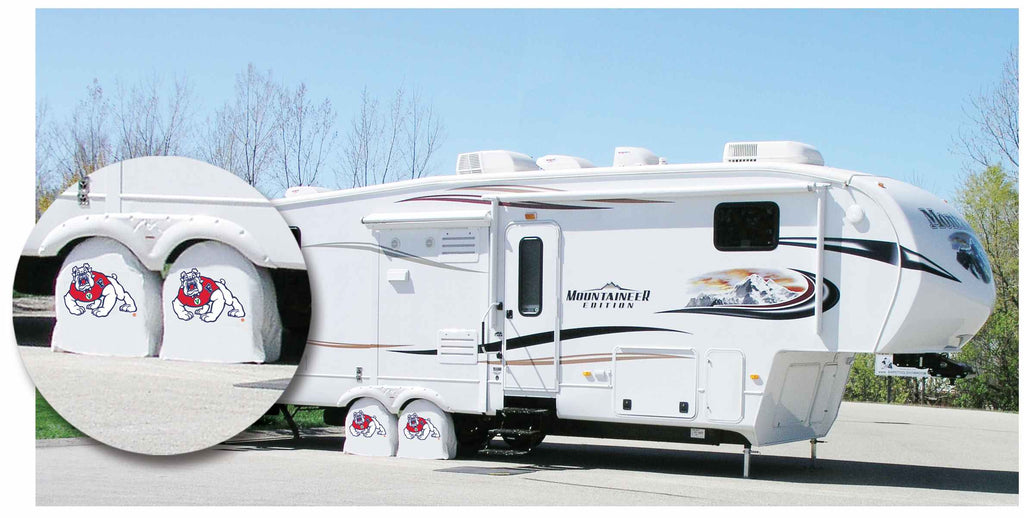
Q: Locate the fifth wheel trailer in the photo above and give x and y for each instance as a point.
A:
(710, 303)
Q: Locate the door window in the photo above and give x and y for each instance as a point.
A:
(531, 276)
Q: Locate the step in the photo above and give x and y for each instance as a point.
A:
(513, 431)
(525, 411)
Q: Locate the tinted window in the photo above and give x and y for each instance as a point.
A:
(747, 226)
(531, 275)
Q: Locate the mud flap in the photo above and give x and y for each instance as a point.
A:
(426, 432)
(106, 302)
(370, 429)
(219, 307)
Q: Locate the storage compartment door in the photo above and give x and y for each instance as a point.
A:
(723, 395)
(823, 398)
(652, 381)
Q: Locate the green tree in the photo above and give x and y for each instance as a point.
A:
(989, 201)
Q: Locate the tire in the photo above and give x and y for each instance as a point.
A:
(471, 437)
(523, 442)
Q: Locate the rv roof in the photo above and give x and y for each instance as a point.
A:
(829, 174)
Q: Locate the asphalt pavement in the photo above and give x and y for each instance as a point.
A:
(874, 455)
(154, 406)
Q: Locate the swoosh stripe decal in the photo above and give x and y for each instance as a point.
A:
(392, 253)
(882, 251)
(549, 336)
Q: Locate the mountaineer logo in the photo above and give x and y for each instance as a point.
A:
(611, 296)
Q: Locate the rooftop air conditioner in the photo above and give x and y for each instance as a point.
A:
(494, 161)
(631, 156)
(772, 151)
(555, 162)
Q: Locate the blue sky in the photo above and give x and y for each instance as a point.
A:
(876, 91)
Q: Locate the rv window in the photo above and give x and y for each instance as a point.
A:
(747, 226)
(531, 275)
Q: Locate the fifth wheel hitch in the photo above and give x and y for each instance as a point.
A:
(937, 365)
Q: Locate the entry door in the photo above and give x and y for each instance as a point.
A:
(530, 346)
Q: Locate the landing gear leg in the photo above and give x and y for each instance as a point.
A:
(814, 451)
(746, 461)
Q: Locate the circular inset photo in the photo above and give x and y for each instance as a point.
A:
(161, 305)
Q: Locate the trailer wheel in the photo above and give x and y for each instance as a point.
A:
(106, 302)
(219, 307)
(471, 434)
(523, 442)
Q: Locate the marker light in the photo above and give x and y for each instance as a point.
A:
(587, 374)
(531, 215)
(755, 377)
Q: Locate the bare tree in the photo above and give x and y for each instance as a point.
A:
(424, 134)
(146, 126)
(83, 144)
(241, 134)
(361, 143)
(393, 145)
(306, 137)
(993, 134)
(44, 156)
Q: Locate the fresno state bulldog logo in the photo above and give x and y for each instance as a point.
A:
(365, 425)
(205, 297)
(419, 427)
(96, 291)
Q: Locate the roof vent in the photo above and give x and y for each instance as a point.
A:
(303, 190)
(772, 151)
(630, 156)
(495, 161)
(554, 162)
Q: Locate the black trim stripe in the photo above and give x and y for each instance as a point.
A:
(882, 251)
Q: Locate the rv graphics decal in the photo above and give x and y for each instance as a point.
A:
(205, 297)
(971, 256)
(392, 253)
(549, 336)
(609, 296)
(365, 425)
(882, 251)
(773, 294)
(97, 292)
(419, 428)
(944, 220)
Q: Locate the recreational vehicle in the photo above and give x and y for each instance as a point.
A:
(710, 303)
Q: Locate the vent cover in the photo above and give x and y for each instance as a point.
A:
(457, 346)
(469, 163)
(741, 153)
(459, 246)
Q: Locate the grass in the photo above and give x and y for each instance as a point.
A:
(305, 419)
(49, 424)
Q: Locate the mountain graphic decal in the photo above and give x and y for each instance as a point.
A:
(760, 293)
(753, 291)
(610, 286)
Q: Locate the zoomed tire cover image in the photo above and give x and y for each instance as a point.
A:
(161, 305)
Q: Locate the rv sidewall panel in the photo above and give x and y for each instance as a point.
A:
(426, 432)
(219, 307)
(119, 315)
(370, 429)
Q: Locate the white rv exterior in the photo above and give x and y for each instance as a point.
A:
(640, 300)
